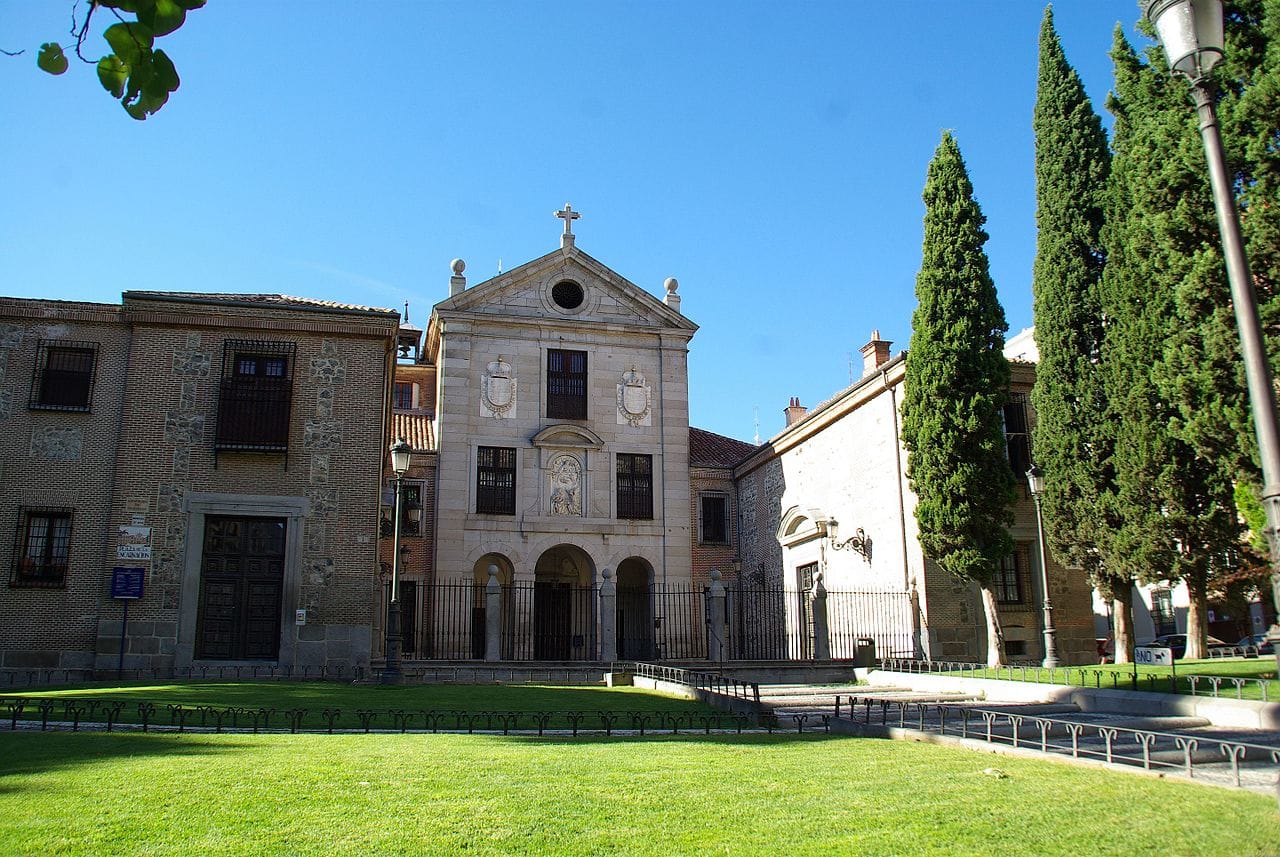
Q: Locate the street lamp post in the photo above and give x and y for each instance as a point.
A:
(1035, 481)
(1191, 33)
(391, 673)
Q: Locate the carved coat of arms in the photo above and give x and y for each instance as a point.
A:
(498, 396)
(633, 400)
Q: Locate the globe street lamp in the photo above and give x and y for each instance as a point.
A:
(391, 674)
(1191, 33)
(1035, 481)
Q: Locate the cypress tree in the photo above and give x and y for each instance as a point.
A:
(1169, 349)
(1075, 430)
(956, 386)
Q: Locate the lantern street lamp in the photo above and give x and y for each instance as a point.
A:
(1191, 33)
(1035, 481)
(391, 674)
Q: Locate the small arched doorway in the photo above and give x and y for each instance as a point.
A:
(564, 605)
(479, 602)
(635, 610)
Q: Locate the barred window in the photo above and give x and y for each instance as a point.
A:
(403, 396)
(64, 376)
(635, 486)
(1008, 580)
(255, 396)
(1162, 615)
(496, 480)
(1017, 436)
(567, 384)
(44, 541)
(714, 519)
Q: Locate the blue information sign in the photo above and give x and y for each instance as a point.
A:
(126, 582)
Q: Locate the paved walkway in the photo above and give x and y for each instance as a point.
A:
(1188, 746)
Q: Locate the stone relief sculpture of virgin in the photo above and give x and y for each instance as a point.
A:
(498, 396)
(633, 400)
(566, 486)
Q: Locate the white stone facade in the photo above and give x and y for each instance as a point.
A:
(489, 345)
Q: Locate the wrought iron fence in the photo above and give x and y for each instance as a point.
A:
(884, 617)
(1242, 764)
(555, 622)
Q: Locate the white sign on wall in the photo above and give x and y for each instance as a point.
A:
(134, 543)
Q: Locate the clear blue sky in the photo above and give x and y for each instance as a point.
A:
(769, 155)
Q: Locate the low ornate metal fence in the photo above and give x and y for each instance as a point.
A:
(1246, 764)
(49, 714)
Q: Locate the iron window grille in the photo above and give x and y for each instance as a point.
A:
(63, 380)
(566, 384)
(1008, 579)
(496, 480)
(1017, 435)
(43, 545)
(635, 486)
(255, 395)
(714, 519)
(1162, 616)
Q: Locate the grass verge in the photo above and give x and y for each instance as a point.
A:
(349, 700)
(64, 793)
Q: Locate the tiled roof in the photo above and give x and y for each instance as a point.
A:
(416, 427)
(708, 449)
(269, 300)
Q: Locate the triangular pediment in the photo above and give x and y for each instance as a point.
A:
(534, 290)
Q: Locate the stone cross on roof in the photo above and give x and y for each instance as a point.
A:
(568, 215)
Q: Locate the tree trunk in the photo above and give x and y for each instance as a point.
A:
(1122, 620)
(995, 633)
(1197, 619)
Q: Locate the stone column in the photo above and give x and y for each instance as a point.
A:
(821, 629)
(608, 617)
(493, 617)
(717, 627)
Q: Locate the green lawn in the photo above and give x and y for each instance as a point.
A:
(159, 794)
(1155, 679)
(315, 697)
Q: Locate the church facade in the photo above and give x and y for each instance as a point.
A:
(215, 469)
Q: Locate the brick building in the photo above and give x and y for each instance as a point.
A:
(227, 446)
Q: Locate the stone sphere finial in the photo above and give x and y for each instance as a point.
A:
(606, 573)
(493, 570)
(458, 266)
(671, 284)
(715, 574)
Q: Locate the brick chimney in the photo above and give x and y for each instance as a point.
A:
(795, 411)
(875, 353)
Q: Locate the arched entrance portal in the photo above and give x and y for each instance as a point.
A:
(635, 610)
(564, 605)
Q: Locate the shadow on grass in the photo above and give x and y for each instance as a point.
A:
(26, 753)
(445, 699)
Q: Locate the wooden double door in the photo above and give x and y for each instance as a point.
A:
(241, 587)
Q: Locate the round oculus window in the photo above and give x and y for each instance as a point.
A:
(567, 294)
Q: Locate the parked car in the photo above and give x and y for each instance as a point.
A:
(1178, 642)
(1256, 644)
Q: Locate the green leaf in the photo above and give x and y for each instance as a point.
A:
(128, 41)
(113, 73)
(164, 75)
(190, 5)
(51, 58)
(164, 17)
